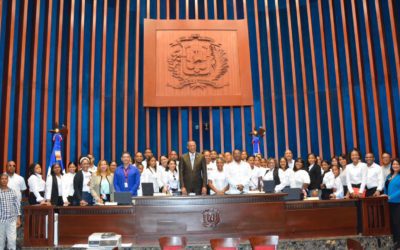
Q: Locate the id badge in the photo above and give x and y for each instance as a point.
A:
(126, 185)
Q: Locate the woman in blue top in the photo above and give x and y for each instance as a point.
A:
(392, 190)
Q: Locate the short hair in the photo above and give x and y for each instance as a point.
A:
(4, 174)
(251, 156)
(220, 159)
(125, 152)
(357, 151)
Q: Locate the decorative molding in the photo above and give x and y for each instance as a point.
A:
(318, 204)
(208, 200)
(108, 210)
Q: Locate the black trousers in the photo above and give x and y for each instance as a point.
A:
(32, 198)
(325, 193)
(370, 192)
(395, 222)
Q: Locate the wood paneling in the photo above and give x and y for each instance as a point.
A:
(33, 79)
(388, 82)
(114, 85)
(315, 79)
(361, 80)
(21, 84)
(349, 75)
(337, 77)
(81, 47)
(103, 80)
(69, 84)
(145, 222)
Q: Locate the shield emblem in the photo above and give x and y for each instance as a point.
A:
(211, 217)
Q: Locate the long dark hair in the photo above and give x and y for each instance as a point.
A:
(148, 162)
(31, 171)
(391, 168)
(176, 166)
(52, 168)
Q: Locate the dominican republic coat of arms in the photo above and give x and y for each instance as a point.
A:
(197, 62)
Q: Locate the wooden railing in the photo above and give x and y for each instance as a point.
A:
(39, 226)
(375, 216)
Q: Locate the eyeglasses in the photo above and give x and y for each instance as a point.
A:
(11, 165)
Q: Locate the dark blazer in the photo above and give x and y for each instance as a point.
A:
(193, 179)
(78, 185)
(315, 177)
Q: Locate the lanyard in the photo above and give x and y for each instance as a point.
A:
(126, 172)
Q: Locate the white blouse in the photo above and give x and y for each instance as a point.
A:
(343, 178)
(287, 175)
(219, 180)
(256, 172)
(329, 180)
(338, 188)
(49, 184)
(36, 184)
(149, 175)
(356, 174)
(299, 178)
(68, 186)
(171, 180)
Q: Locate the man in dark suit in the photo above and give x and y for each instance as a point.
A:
(193, 171)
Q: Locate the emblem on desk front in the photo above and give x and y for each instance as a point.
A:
(197, 62)
(211, 217)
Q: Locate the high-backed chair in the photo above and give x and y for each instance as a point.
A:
(172, 243)
(269, 242)
(225, 243)
(354, 245)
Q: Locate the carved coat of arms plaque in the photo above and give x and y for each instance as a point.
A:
(195, 63)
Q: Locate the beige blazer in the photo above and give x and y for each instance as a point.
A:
(95, 186)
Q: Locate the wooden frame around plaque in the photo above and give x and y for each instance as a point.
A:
(196, 63)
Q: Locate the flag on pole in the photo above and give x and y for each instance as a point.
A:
(256, 145)
(56, 153)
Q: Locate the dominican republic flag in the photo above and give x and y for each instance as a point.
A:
(56, 153)
(256, 145)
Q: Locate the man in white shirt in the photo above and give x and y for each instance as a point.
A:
(213, 156)
(386, 165)
(289, 158)
(15, 181)
(211, 166)
(375, 181)
(239, 174)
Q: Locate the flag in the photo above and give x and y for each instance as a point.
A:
(256, 145)
(56, 153)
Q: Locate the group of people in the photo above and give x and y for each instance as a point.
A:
(209, 172)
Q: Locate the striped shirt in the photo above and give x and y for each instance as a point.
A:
(9, 205)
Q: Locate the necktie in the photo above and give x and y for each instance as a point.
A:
(192, 160)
